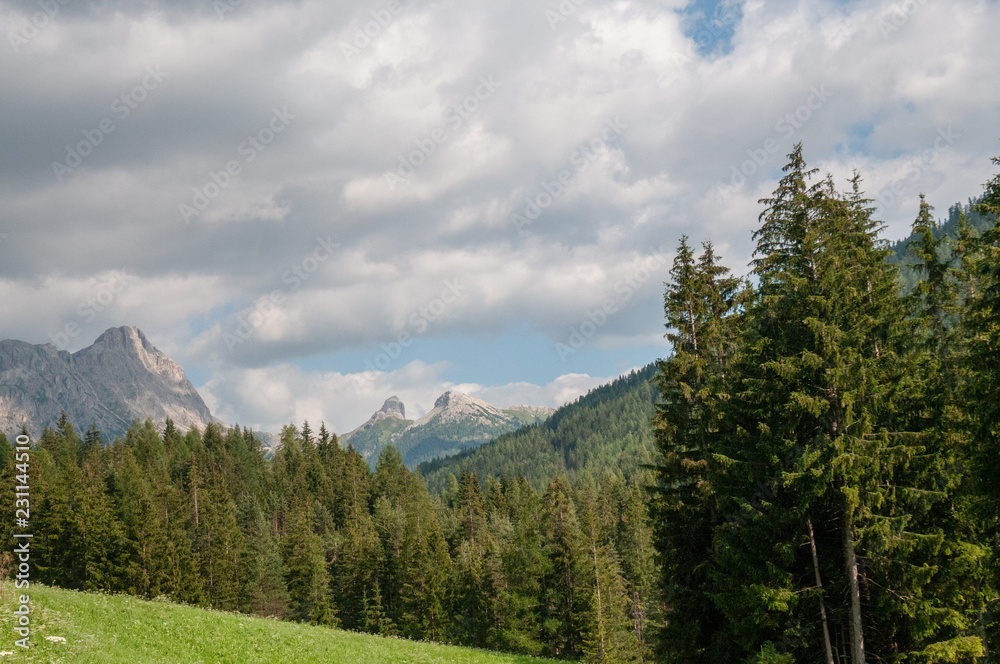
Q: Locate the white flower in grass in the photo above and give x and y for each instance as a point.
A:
(55, 639)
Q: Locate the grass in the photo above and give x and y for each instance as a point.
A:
(114, 629)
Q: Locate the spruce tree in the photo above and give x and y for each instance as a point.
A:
(606, 628)
(515, 525)
(263, 571)
(982, 323)
(307, 575)
(562, 584)
(699, 302)
(473, 589)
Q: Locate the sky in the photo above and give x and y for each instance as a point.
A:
(313, 205)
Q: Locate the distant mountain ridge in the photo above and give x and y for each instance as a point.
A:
(607, 430)
(457, 422)
(118, 378)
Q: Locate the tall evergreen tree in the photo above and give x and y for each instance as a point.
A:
(699, 302)
(264, 591)
(307, 576)
(562, 594)
(607, 632)
(983, 326)
(473, 590)
(515, 525)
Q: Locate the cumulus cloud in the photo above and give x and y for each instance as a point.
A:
(285, 394)
(208, 154)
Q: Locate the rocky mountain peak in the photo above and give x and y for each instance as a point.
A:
(127, 347)
(453, 406)
(458, 421)
(126, 336)
(393, 407)
(120, 377)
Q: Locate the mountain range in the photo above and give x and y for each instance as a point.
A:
(457, 422)
(122, 377)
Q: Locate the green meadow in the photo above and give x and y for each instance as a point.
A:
(114, 629)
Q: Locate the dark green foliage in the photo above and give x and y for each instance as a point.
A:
(982, 330)
(948, 233)
(264, 590)
(563, 591)
(814, 497)
(307, 576)
(698, 303)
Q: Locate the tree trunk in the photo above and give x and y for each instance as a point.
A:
(597, 583)
(851, 559)
(822, 602)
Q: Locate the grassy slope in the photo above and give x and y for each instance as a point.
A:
(103, 629)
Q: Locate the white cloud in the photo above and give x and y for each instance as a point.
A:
(894, 80)
(269, 398)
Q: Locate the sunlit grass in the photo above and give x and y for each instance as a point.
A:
(110, 629)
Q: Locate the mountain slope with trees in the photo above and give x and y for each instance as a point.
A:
(312, 534)
(607, 430)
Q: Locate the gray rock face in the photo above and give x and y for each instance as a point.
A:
(392, 407)
(457, 422)
(121, 377)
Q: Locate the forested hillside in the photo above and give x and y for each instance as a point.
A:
(608, 430)
(963, 222)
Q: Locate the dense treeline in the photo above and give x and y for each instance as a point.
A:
(313, 534)
(950, 234)
(608, 429)
(828, 484)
